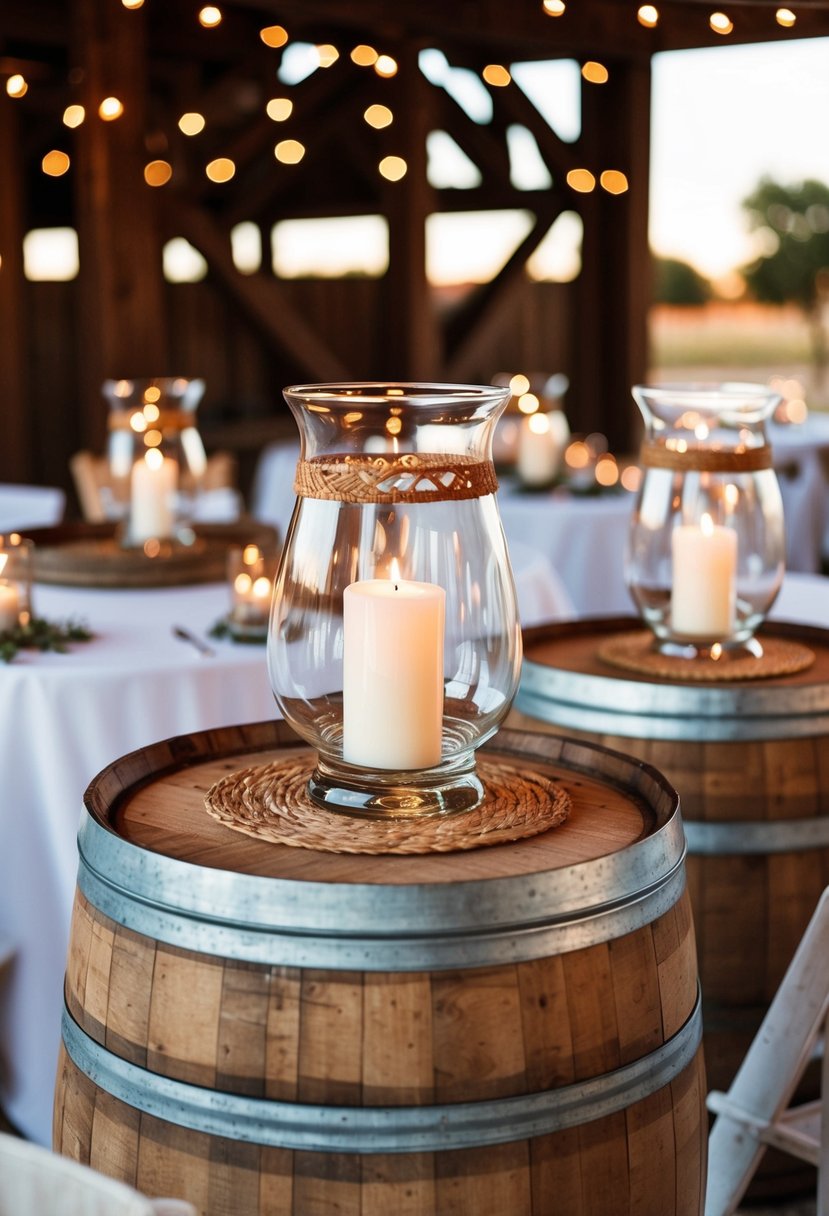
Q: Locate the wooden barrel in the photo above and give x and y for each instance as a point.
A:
(750, 761)
(263, 1029)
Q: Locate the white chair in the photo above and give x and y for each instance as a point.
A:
(30, 506)
(37, 1182)
(755, 1113)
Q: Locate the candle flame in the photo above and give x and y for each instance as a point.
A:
(262, 587)
(394, 571)
(4, 557)
(706, 523)
(716, 651)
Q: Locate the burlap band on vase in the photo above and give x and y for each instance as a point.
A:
(271, 802)
(410, 477)
(706, 460)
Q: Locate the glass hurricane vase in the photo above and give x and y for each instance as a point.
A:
(706, 547)
(394, 644)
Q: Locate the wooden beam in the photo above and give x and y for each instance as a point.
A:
(16, 456)
(260, 297)
(474, 329)
(613, 292)
(120, 284)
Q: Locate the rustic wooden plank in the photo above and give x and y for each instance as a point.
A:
(243, 1017)
(592, 1011)
(652, 1152)
(180, 1046)
(398, 1054)
(282, 1034)
(331, 1038)
(548, 1041)
(636, 994)
(476, 1030)
(115, 1138)
(131, 981)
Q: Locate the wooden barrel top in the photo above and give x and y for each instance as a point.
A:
(154, 798)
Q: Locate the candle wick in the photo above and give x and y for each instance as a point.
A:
(396, 587)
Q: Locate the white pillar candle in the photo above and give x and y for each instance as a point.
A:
(703, 590)
(393, 673)
(152, 497)
(9, 606)
(540, 446)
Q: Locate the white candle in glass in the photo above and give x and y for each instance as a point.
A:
(152, 497)
(9, 606)
(393, 673)
(703, 590)
(251, 598)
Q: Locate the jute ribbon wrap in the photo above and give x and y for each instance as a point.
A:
(706, 460)
(410, 477)
(171, 420)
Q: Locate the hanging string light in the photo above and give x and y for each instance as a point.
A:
(648, 16)
(110, 109)
(73, 116)
(210, 16)
(720, 23)
(16, 85)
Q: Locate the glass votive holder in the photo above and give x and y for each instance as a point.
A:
(15, 581)
(251, 571)
(706, 543)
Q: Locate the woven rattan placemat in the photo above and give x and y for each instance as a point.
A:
(271, 802)
(635, 652)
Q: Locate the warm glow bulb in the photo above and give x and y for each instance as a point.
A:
(328, 54)
(158, 173)
(16, 85)
(384, 65)
(577, 455)
(210, 16)
(528, 403)
(720, 23)
(497, 75)
(55, 163)
(519, 384)
(110, 109)
(378, 116)
(289, 151)
(364, 56)
(554, 8)
(613, 181)
(631, 478)
(262, 587)
(242, 583)
(154, 458)
(606, 471)
(250, 554)
(581, 180)
(785, 17)
(132, 4)
(73, 116)
(191, 123)
(393, 168)
(648, 16)
(138, 422)
(274, 36)
(595, 73)
(220, 170)
(151, 412)
(279, 108)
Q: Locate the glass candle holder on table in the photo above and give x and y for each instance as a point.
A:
(251, 572)
(156, 458)
(394, 645)
(706, 546)
(15, 581)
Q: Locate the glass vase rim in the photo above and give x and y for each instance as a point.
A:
(410, 392)
(174, 385)
(720, 392)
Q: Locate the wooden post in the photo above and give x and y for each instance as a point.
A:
(412, 343)
(15, 450)
(121, 289)
(613, 291)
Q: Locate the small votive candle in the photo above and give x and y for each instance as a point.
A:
(15, 581)
(153, 487)
(251, 574)
(703, 590)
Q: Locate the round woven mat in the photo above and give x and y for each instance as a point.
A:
(634, 652)
(271, 802)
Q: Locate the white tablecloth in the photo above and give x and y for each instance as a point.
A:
(64, 717)
(801, 455)
(30, 506)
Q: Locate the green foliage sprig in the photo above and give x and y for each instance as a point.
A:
(39, 634)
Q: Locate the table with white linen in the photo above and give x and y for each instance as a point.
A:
(800, 452)
(64, 717)
(23, 506)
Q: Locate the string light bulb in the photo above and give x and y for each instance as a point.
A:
(581, 180)
(554, 8)
(785, 17)
(133, 4)
(110, 109)
(497, 75)
(393, 168)
(73, 116)
(274, 36)
(289, 151)
(613, 181)
(364, 56)
(720, 23)
(221, 169)
(55, 163)
(210, 16)
(328, 54)
(16, 85)
(279, 109)
(648, 16)
(158, 173)
(384, 65)
(595, 73)
(378, 116)
(191, 123)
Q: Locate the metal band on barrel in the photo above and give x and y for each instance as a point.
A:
(759, 836)
(706, 460)
(391, 1129)
(410, 477)
(172, 420)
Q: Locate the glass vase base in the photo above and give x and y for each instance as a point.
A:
(714, 652)
(374, 794)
